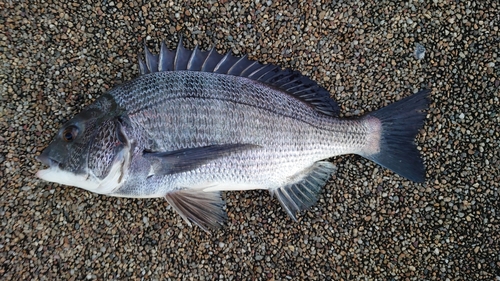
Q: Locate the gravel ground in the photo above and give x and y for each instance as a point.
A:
(370, 224)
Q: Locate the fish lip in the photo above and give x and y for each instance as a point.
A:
(48, 161)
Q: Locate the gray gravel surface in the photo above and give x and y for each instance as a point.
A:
(370, 224)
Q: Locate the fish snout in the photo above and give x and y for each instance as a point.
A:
(45, 159)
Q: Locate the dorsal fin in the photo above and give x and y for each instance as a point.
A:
(289, 81)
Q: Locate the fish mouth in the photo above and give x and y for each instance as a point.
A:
(56, 173)
(44, 159)
(53, 165)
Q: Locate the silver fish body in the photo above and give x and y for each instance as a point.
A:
(197, 123)
(285, 136)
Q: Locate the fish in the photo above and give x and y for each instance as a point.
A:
(197, 123)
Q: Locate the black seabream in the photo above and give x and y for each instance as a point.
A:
(196, 123)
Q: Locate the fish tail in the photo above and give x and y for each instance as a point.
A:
(395, 127)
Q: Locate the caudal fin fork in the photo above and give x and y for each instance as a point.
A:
(400, 124)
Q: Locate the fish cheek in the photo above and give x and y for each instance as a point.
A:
(107, 147)
(102, 150)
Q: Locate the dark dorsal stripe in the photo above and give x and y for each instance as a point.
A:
(289, 81)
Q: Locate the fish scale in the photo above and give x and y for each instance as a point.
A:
(196, 123)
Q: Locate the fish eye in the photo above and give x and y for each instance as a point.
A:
(69, 134)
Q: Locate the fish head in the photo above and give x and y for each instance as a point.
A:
(90, 151)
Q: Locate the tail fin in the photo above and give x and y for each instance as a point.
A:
(400, 123)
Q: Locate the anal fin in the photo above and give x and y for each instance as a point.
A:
(303, 191)
(202, 208)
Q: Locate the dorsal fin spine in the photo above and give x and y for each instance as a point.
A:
(165, 58)
(244, 72)
(285, 77)
(178, 55)
(151, 60)
(290, 82)
(222, 61)
(143, 68)
(193, 56)
(305, 89)
(265, 73)
(207, 67)
(233, 69)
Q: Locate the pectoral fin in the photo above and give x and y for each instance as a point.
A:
(172, 162)
(203, 208)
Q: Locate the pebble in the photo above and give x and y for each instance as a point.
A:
(419, 51)
(57, 56)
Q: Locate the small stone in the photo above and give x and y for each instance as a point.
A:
(419, 52)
